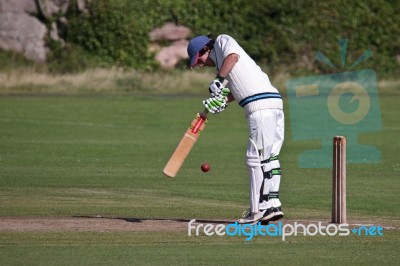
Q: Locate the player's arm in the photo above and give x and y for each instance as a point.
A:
(228, 64)
(221, 95)
(230, 98)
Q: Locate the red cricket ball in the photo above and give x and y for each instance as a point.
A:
(205, 167)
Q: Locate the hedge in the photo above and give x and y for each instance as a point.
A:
(282, 35)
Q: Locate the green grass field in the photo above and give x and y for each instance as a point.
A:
(69, 156)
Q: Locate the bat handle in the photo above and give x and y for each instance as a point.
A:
(204, 113)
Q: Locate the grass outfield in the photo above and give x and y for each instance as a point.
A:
(84, 156)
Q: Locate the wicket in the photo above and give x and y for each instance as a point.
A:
(339, 212)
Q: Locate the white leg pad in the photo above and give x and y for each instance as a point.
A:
(275, 183)
(256, 176)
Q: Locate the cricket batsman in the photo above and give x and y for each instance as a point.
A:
(251, 88)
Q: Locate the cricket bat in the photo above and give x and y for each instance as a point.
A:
(186, 144)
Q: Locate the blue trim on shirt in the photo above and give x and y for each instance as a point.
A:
(259, 96)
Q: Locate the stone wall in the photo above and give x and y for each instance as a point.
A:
(169, 56)
(22, 31)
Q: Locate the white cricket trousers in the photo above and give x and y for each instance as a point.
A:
(266, 135)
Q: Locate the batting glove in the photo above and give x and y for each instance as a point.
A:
(216, 87)
(216, 104)
(225, 92)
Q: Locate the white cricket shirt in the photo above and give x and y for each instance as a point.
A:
(249, 85)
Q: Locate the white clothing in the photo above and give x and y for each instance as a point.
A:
(263, 106)
(246, 80)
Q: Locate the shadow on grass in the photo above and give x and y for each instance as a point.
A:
(140, 220)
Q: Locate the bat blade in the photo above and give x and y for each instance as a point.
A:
(185, 145)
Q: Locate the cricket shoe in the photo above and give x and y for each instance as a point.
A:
(272, 214)
(249, 217)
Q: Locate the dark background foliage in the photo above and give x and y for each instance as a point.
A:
(282, 35)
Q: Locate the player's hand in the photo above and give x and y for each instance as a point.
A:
(216, 104)
(216, 87)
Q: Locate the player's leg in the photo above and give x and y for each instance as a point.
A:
(273, 173)
(266, 138)
(276, 167)
(255, 173)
